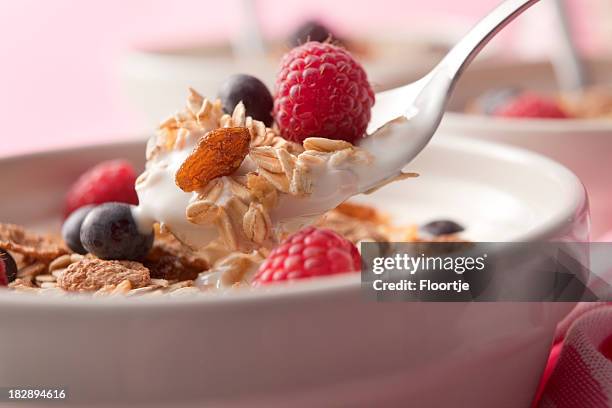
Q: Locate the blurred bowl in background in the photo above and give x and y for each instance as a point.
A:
(155, 79)
(583, 145)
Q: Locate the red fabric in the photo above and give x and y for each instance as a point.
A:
(579, 370)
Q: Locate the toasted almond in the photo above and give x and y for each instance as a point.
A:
(218, 153)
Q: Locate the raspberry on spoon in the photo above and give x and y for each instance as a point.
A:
(309, 253)
(322, 91)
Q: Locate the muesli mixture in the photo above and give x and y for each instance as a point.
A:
(231, 195)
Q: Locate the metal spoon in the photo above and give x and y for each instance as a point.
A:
(403, 121)
(567, 63)
(419, 106)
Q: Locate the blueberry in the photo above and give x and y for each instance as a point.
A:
(253, 93)
(311, 30)
(10, 267)
(493, 99)
(110, 232)
(441, 227)
(71, 230)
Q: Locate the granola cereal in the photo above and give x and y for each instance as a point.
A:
(29, 244)
(234, 174)
(95, 274)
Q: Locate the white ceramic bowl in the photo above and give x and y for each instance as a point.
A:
(316, 343)
(582, 145)
(155, 78)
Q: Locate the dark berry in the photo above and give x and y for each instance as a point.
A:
(441, 227)
(311, 30)
(491, 100)
(110, 232)
(253, 93)
(8, 268)
(71, 230)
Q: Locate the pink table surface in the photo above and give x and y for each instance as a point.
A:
(58, 82)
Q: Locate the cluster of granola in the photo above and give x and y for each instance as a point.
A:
(46, 266)
(239, 203)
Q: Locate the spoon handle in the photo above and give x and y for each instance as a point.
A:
(567, 63)
(465, 50)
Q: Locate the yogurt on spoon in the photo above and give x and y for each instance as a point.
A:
(280, 186)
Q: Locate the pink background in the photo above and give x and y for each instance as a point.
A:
(58, 76)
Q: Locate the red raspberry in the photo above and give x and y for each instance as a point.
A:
(108, 181)
(530, 105)
(322, 91)
(308, 253)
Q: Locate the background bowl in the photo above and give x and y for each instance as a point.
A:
(155, 79)
(309, 344)
(583, 145)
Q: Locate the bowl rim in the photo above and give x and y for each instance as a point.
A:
(466, 122)
(314, 289)
(461, 121)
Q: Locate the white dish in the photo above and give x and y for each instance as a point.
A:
(583, 146)
(309, 344)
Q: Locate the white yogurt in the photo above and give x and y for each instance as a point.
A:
(161, 200)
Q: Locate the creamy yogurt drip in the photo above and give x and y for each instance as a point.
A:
(161, 200)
